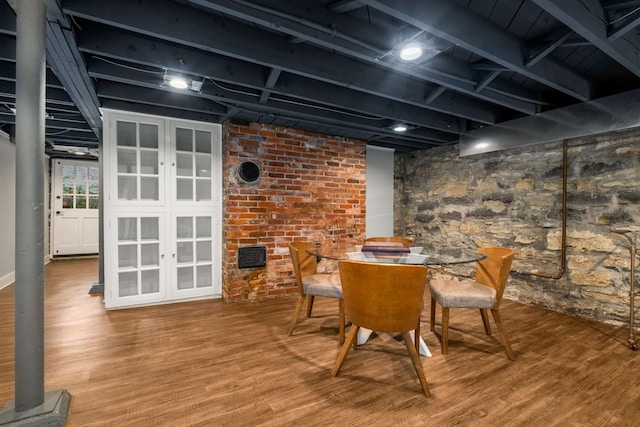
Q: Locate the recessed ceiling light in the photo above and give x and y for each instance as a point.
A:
(411, 51)
(399, 128)
(177, 82)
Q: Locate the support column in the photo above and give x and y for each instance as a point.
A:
(31, 406)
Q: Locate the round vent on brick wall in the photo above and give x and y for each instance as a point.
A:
(249, 171)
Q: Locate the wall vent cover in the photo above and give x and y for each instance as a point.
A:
(252, 257)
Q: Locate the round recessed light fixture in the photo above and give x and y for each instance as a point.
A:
(178, 82)
(411, 52)
(399, 128)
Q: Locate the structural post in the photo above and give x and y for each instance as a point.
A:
(32, 406)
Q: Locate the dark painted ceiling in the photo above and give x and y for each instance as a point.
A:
(329, 66)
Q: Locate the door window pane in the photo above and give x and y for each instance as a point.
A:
(203, 141)
(203, 251)
(149, 189)
(128, 256)
(127, 162)
(127, 229)
(94, 203)
(81, 180)
(149, 162)
(184, 139)
(185, 227)
(150, 281)
(127, 188)
(81, 202)
(128, 284)
(184, 189)
(67, 202)
(205, 276)
(185, 277)
(148, 135)
(94, 180)
(126, 134)
(150, 254)
(203, 226)
(203, 189)
(185, 252)
(149, 229)
(184, 164)
(203, 166)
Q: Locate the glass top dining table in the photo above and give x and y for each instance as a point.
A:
(418, 255)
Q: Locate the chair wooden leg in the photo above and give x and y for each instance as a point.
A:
(416, 337)
(296, 313)
(353, 334)
(309, 305)
(503, 334)
(341, 317)
(417, 363)
(485, 320)
(444, 340)
(432, 319)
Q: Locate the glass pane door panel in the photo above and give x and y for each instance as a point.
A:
(150, 281)
(127, 229)
(127, 188)
(184, 164)
(185, 277)
(203, 190)
(184, 139)
(148, 135)
(127, 161)
(203, 250)
(203, 165)
(128, 284)
(184, 189)
(128, 256)
(150, 254)
(149, 189)
(94, 181)
(184, 227)
(149, 162)
(205, 276)
(126, 134)
(81, 202)
(149, 229)
(203, 141)
(185, 252)
(203, 227)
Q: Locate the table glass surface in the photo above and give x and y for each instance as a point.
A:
(420, 255)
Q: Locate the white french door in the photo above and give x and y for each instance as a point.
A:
(75, 207)
(162, 209)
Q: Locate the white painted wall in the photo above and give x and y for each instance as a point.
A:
(7, 210)
(379, 175)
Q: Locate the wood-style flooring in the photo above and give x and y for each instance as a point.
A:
(210, 363)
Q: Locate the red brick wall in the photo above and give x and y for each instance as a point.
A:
(312, 187)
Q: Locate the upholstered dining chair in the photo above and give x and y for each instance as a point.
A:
(385, 298)
(310, 283)
(394, 239)
(484, 293)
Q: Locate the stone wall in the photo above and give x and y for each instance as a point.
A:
(514, 198)
(312, 187)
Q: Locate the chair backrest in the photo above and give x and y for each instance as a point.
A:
(397, 239)
(494, 270)
(304, 264)
(383, 297)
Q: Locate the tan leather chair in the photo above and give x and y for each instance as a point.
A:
(394, 239)
(484, 293)
(385, 298)
(310, 283)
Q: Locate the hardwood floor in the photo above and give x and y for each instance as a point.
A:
(209, 363)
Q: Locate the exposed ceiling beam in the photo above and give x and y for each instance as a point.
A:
(236, 40)
(458, 25)
(587, 18)
(608, 114)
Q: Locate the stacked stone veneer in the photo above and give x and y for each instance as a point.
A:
(312, 187)
(514, 198)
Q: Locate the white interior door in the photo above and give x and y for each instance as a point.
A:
(75, 207)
